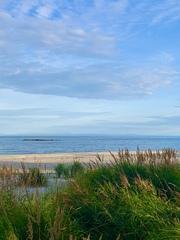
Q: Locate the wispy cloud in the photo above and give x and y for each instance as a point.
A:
(167, 11)
(64, 56)
(83, 55)
(108, 81)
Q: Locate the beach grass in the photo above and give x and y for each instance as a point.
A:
(135, 196)
(69, 170)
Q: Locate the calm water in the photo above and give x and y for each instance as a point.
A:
(63, 144)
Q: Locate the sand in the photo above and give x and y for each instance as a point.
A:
(47, 162)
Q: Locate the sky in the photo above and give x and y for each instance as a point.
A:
(90, 67)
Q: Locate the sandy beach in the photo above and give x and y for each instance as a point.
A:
(49, 161)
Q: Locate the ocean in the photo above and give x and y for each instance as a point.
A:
(64, 144)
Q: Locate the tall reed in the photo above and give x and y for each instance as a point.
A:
(135, 196)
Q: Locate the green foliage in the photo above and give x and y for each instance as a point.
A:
(124, 199)
(69, 171)
(76, 168)
(62, 170)
(106, 200)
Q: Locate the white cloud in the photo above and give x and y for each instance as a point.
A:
(79, 55)
(31, 34)
(32, 113)
(105, 81)
(163, 57)
(94, 53)
(82, 52)
(45, 11)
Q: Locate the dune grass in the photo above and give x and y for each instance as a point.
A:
(70, 170)
(132, 197)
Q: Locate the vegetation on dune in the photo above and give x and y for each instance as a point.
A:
(32, 177)
(69, 171)
(10, 177)
(132, 197)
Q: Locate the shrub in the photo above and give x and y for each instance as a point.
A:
(76, 168)
(62, 170)
(67, 171)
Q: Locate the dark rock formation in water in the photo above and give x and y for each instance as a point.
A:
(39, 139)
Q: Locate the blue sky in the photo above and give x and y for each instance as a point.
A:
(90, 67)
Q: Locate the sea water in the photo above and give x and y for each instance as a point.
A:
(72, 144)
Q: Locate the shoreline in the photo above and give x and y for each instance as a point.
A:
(49, 161)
